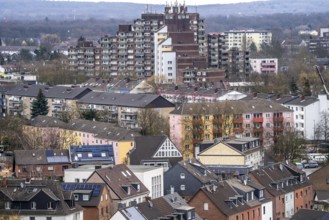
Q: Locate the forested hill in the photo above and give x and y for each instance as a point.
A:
(67, 10)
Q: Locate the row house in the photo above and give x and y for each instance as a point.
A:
(246, 152)
(124, 186)
(124, 108)
(198, 94)
(232, 199)
(193, 123)
(40, 164)
(81, 132)
(288, 187)
(32, 199)
(60, 99)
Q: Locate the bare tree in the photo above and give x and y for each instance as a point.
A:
(152, 123)
(289, 145)
(322, 128)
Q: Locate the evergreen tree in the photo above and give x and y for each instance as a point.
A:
(39, 105)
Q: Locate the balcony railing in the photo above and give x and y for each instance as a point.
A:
(258, 129)
(258, 120)
(238, 120)
(278, 119)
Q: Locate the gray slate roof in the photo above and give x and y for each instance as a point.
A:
(100, 129)
(237, 107)
(127, 100)
(58, 92)
(146, 147)
(41, 157)
(309, 214)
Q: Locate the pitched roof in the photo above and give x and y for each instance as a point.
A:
(102, 130)
(42, 157)
(146, 147)
(95, 189)
(221, 196)
(59, 92)
(118, 177)
(15, 192)
(278, 174)
(237, 107)
(198, 170)
(155, 208)
(320, 178)
(127, 100)
(92, 154)
(309, 214)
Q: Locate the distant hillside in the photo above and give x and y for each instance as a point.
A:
(40, 9)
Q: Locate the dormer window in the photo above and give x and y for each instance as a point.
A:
(7, 205)
(182, 175)
(261, 193)
(136, 186)
(85, 197)
(126, 189)
(103, 154)
(33, 205)
(90, 155)
(79, 155)
(76, 197)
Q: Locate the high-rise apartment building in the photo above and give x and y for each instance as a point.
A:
(131, 51)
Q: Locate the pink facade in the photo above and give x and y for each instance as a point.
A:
(176, 131)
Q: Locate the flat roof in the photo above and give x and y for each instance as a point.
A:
(142, 168)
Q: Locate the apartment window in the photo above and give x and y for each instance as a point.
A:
(268, 125)
(302, 108)
(187, 128)
(182, 187)
(169, 68)
(32, 218)
(182, 175)
(205, 206)
(264, 211)
(247, 125)
(50, 168)
(207, 117)
(207, 127)
(76, 180)
(268, 115)
(187, 117)
(169, 62)
(207, 136)
(187, 147)
(287, 124)
(48, 218)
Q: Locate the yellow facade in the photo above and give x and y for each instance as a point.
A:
(68, 138)
(123, 148)
(199, 128)
(221, 154)
(10, 217)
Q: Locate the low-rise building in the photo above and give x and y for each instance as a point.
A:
(154, 151)
(40, 164)
(125, 188)
(124, 108)
(151, 177)
(94, 198)
(80, 174)
(186, 178)
(20, 199)
(232, 199)
(288, 187)
(244, 151)
(320, 182)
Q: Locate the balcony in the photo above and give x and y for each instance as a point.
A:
(278, 119)
(197, 141)
(258, 120)
(197, 121)
(278, 128)
(238, 120)
(197, 132)
(257, 129)
(218, 121)
(237, 130)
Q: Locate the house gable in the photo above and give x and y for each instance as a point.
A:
(220, 149)
(167, 149)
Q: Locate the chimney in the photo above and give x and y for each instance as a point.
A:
(176, 87)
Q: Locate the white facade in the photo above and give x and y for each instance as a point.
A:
(151, 177)
(268, 65)
(254, 159)
(79, 174)
(324, 31)
(242, 39)
(164, 58)
(289, 204)
(267, 211)
(74, 216)
(306, 117)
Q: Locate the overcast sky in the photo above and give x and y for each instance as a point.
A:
(188, 2)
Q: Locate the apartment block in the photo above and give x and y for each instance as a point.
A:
(193, 123)
(265, 66)
(242, 39)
